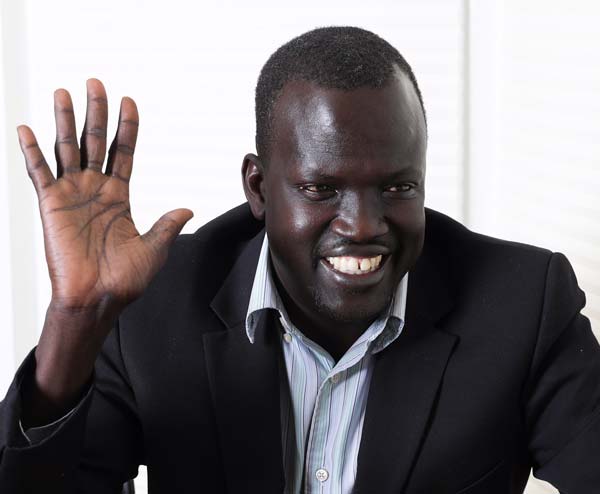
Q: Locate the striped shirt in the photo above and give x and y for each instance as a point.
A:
(322, 402)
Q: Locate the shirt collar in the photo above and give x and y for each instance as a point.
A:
(264, 295)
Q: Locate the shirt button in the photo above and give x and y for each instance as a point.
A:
(322, 475)
(335, 378)
(287, 337)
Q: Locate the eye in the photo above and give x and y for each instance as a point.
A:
(317, 191)
(401, 190)
(316, 188)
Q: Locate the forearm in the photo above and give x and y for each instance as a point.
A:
(68, 347)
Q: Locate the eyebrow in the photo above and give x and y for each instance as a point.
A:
(316, 173)
(409, 171)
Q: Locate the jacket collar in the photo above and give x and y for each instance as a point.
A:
(230, 303)
(245, 382)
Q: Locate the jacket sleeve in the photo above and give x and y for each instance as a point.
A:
(95, 449)
(562, 395)
(35, 435)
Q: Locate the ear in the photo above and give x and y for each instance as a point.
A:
(253, 175)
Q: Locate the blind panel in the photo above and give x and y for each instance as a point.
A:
(550, 139)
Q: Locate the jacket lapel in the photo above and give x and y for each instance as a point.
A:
(405, 383)
(244, 380)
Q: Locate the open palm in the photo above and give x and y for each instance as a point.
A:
(93, 250)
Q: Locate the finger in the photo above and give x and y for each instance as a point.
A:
(93, 137)
(37, 168)
(162, 234)
(120, 155)
(65, 149)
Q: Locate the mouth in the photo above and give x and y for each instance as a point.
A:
(355, 266)
(356, 273)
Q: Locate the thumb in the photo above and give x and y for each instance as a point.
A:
(162, 234)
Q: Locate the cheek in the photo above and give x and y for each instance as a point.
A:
(415, 223)
(294, 215)
(294, 227)
(409, 226)
(306, 220)
(406, 216)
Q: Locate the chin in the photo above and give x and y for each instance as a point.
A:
(349, 312)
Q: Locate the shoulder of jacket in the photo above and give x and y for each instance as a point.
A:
(201, 260)
(447, 234)
(473, 261)
(225, 233)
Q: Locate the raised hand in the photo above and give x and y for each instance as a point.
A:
(92, 247)
(97, 260)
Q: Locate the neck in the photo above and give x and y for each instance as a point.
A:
(334, 336)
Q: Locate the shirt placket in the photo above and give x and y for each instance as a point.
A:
(317, 472)
(318, 475)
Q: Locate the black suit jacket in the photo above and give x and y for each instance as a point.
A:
(495, 372)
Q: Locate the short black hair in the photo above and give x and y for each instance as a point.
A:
(332, 57)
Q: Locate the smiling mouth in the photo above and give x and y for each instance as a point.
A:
(355, 265)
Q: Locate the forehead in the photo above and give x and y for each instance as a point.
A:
(316, 125)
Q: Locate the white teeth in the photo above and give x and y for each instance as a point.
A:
(352, 264)
(344, 264)
(355, 265)
(365, 265)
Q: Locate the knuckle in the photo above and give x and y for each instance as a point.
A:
(130, 121)
(37, 165)
(70, 140)
(120, 177)
(95, 164)
(125, 149)
(63, 109)
(168, 226)
(99, 132)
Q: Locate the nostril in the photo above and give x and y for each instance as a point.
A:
(359, 228)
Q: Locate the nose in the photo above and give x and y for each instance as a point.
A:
(360, 218)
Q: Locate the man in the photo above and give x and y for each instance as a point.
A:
(331, 336)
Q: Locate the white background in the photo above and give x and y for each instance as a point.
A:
(512, 91)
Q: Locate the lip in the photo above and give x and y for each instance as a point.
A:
(358, 251)
(356, 281)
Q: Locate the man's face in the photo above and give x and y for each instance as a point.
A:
(344, 192)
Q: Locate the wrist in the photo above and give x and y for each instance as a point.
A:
(69, 344)
(41, 406)
(92, 308)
